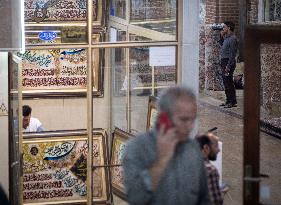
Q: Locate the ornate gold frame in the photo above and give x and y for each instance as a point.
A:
(119, 137)
(57, 137)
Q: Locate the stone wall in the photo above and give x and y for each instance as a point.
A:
(271, 79)
(213, 80)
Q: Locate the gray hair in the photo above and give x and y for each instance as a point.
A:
(169, 97)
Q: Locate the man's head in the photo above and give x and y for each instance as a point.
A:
(26, 114)
(228, 27)
(209, 145)
(180, 105)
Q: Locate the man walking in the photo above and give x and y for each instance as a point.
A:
(165, 166)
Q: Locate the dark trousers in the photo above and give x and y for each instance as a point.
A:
(228, 83)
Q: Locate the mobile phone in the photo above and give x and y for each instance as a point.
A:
(212, 129)
(164, 119)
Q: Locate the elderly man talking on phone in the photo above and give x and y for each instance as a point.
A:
(165, 166)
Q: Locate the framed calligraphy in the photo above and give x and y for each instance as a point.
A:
(119, 138)
(146, 10)
(46, 11)
(59, 72)
(55, 167)
(151, 112)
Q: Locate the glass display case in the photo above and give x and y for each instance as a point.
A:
(88, 66)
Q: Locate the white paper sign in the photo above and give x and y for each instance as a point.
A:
(113, 35)
(218, 162)
(162, 56)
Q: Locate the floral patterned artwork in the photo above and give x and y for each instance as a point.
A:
(57, 10)
(56, 171)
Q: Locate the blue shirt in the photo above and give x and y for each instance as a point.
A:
(229, 46)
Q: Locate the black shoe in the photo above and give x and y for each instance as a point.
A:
(223, 104)
(228, 105)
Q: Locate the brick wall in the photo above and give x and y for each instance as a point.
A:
(212, 10)
(221, 10)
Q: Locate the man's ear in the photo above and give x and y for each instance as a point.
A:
(206, 149)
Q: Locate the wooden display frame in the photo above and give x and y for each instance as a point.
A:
(151, 112)
(119, 137)
(255, 35)
(69, 173)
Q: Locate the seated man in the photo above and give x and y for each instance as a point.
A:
(210, 148)
(30, 124)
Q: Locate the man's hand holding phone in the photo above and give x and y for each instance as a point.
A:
(166, 139)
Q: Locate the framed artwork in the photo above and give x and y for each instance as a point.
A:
(119, 139)
(55, 167)
(47, 11)
(145, 10)
(151, 112)
(59, 72)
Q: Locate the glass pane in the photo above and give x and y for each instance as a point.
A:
(146, 10)
(119, 87)
(272, 10)
(151, 69)
(270, 154)
(148, 20)
(57, 72)
(118, 8)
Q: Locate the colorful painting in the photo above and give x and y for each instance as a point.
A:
(55, 170)
(57, 10)
(119, 139)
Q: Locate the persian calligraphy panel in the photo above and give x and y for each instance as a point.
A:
(119, 139)
(61, 71)
(142, 10)
(55, 169)
(54, 69)
(38, 11)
